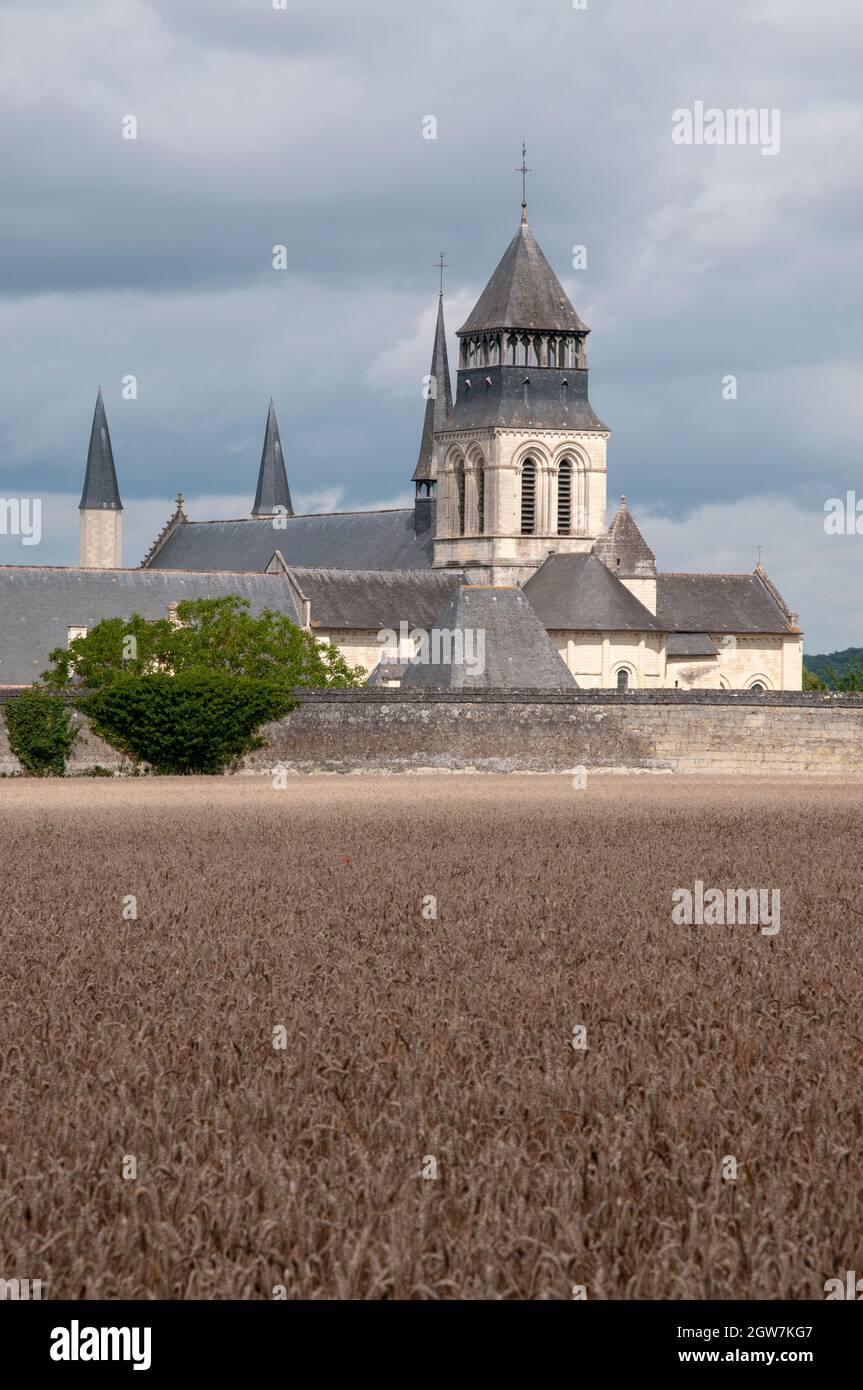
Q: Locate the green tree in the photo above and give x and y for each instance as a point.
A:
(811, 681)
(220, 634)
(212, 634)
(41, 731)
(849, 679)
(113, 649)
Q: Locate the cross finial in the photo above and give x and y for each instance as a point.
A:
(759, 549)
(524, 171)
(441, 265)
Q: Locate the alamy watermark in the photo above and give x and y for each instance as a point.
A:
(844, 515)
(442, 646)
(736, 126)
(720, 907)
(21, 516)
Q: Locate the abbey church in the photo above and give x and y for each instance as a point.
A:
(508, 531)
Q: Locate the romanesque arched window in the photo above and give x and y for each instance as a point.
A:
(459, 481)
(480, 500)
(510, 349)
(528, 497)
(623, 679)
(564, 498)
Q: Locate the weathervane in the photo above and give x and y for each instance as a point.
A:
(524, 171)
(441, 265)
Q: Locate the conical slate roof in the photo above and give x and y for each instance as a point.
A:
(438, 405)
(100, 479)
(623, 548)
(273, 492)
(491, 640)
(524, 292)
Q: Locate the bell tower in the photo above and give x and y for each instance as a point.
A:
(521, 461)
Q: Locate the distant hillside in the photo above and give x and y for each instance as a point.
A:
(840, 661)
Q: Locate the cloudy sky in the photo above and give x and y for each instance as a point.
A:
(304, 126)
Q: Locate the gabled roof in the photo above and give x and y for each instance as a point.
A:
(623, 548)
(503, 646)
(382, 540)
(577, 593)
(38, 605)
(100, 479)
(524, 292)
(438, 405)
(719, 603)
(273, 494)
(375, 599)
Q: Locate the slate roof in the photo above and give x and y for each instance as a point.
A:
(438, 406)
(690, 644)
(273, 491)
(523, 292)
(624, 543)
(39, 604)
(100, 479)
(577, 593)
(375, 599)
(518, 653)
(387, 671)
(382, 540)
(718, 603)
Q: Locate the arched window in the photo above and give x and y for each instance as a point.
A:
(564, 498)
(757, 688)
(623, 679)
(552, 352)
(459, 478)
(480, 500)
(510, 349)
(528, 497)
(524, 349)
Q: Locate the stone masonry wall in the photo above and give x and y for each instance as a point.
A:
(660, 730)
(677, 731)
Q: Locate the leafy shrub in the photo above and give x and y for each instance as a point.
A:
(191, 722)
(41, 731)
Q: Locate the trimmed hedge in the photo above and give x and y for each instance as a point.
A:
(41, 732)
(194, 722)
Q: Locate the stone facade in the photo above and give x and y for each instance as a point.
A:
(492, 548)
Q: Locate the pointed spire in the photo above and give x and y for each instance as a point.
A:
(100, 480)
(273, 496)
(524, 292)
(439, 402)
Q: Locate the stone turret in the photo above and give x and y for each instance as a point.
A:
(100, 511)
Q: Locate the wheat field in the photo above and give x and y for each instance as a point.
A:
(427, 1037)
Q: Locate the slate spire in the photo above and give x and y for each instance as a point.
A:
(100, 480)
(273, 496)
(438, 404)
(523, 293)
